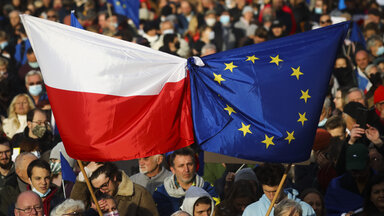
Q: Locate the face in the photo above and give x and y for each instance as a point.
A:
(338, 100)
(340, 63)
(33, 80)
(40, 179)
(377, 195)
(104, 184)
(362, 60)
(38, 119)
(5, 155)
(314, 200)
(356, 96)
(3, 72)
(148, 164)
(338, 132)
(14, 18)
(270, 191)
(31, 57)
(21, 105)
(51, 15)
(325, 20)
(29, 201)
(202, 209)
(184, 168)
(277, 31)
(111, 206)
(185, 8)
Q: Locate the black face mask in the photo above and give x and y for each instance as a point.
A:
(177, 45)
(343, 75)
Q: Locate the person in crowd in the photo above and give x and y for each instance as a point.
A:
(198, 202)
(31, 65)
(171, 44)
(9, 86)
(152, 172)
(38, 130)
(314, 198)
(107, 178)
(107, 201)
(362, 61)
(325, 113)
(17, 115)
(69, 207)
(345, 193)
(29, 203)
(269, 176)
(336, 126)
(373, 201)
(7, 167)
(325, 20)
(34, 85)
(168, 197)
(180, 213)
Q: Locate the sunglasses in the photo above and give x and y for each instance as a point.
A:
(326, 21)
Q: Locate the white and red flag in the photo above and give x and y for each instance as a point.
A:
(112, 100)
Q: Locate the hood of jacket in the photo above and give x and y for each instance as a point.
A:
(191, 196)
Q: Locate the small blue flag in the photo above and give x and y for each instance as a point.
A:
(263, 102)
(356, 35)
(128, 8)
(66, 170)
(342, 5)
(74, 21)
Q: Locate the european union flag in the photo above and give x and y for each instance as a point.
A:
(128, 8)
(263, 102)
(66, 170)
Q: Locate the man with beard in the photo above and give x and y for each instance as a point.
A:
(152, 173)
(7, 168)
(37, 130)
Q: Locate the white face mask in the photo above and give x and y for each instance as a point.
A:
(168, 31)
(42, 195)
(210, 21)
(113, 213)
(36, 153)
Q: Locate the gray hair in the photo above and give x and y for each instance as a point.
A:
(33, 72)
(180, 213)
(207, 47)
(68, 205)
(372, 41)
(288, 207)
(353, 90)
(369, 67)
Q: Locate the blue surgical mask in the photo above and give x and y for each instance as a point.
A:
(35, 90)
(42, 195)
(224, 19)
(318, 11)
(3, 45)
(380, 51)
(33, 64)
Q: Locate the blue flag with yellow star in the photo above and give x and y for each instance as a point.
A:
(128, 8)
(263, 102)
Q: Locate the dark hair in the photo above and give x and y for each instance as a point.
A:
(169, 38)
(38, 163)
(183, 151)
(109, 169)
(29, 50)
(315, 191)
(270, 174)
(335, 122)
(261, 32)
(31, 113)
(369, 207)
(5, 141)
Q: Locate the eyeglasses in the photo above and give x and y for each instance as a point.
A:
(35, 83)
(46, 123)
(75, 213)
(326, 21)
(5, 152)
(103, 185)
(29, 210)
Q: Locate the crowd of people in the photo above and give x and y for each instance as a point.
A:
(345, 172)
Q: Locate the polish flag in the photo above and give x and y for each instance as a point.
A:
(112, 99)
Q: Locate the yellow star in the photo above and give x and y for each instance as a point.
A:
(230, 66)
(218, 78)
(124, 6)
(268, 141)
(230, 110)
(275, 60)
(296, 72)
(302, 118)
(245, 129)
(290, 137)
(117, 3)
(305, 95)
(252, 58)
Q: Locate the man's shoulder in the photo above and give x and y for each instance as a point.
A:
(256, 208)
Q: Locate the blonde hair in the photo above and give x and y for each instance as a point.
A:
(11, 110)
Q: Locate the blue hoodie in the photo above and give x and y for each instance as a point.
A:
(260, 207)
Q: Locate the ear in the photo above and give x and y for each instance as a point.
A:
(160, 159)
(30, 182)
(172, 170)
(29, 124)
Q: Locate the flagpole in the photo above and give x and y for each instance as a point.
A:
(109, 9)
(62, 183)
(279, 189)
(79, 162)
